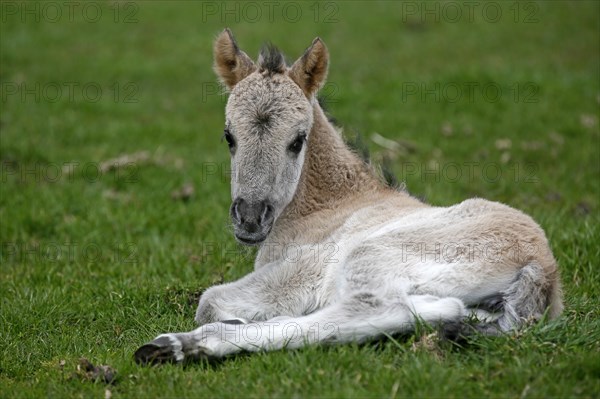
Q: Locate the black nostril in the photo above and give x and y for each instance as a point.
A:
(237, 210)
(267, 213)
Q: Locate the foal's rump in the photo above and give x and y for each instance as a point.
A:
(487, 254)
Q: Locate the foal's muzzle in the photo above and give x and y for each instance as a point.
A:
(252, 221)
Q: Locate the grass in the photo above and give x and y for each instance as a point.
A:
(95, 264)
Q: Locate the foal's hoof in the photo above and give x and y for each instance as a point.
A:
(459, 331)
(164, 349)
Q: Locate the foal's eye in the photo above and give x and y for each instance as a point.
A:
(297, 144)
(229, 138)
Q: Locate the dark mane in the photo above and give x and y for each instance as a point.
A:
(361, 148)
(271, 59)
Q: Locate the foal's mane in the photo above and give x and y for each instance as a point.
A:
(271, 59)
(360, 147)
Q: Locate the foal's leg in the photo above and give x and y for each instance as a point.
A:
(532, 293)
(361, 316)
(280, 288)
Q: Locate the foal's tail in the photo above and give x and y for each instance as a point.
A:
(536, 292)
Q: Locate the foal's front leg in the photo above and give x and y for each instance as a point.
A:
(177, 347)
(361, 316)
(261, 295)
(277, 289)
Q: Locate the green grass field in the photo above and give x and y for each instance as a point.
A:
(499, 100)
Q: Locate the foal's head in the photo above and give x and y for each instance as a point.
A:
(269, 116)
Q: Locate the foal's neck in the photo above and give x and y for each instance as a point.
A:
(332, 173)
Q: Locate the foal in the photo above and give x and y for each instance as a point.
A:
(343, 257)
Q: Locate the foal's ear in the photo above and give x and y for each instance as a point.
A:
(310, 70)
(231, 63)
